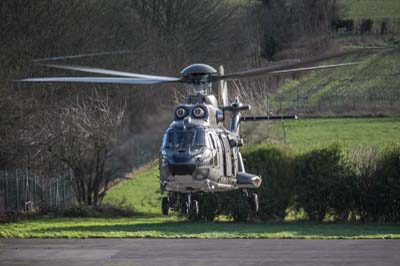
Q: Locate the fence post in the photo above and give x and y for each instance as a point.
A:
(57, 196)
(64, 191)
(34, 190)
(26, 208)
(6, 199)
(17, 188)
(50, 194)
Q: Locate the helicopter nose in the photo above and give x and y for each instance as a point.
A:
(181, 169)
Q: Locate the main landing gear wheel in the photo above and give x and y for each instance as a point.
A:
(254, 204)
(165, 206)
(190, 207)
(252, 200)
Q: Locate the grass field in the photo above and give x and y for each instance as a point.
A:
(142, 192)
(156, 227)
(304, 134)
(375, 9)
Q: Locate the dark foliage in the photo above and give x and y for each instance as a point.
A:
(366, 26)
(379, 199)
(276, 167)
(321, 174)
(327, 183)
(346, 24)
(105, 210)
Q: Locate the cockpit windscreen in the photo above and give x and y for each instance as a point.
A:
(179, 138)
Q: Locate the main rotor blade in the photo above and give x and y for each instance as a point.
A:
(111, 72)
(311, 68)
(57, 58)
(289, 66)
(97, 80)
(223, 96)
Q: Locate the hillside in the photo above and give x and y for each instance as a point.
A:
(371, 87)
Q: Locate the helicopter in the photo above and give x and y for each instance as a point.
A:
(200, 150)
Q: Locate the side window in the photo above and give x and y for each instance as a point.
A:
(212, 141)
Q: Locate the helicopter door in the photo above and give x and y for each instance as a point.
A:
(226, 155)
(234, 161)
(216, 150)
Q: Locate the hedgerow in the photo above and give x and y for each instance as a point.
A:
(327, 183)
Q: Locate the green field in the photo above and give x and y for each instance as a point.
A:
(376, 9)
(305, 134)
(141, 192)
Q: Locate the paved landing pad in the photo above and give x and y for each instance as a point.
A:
(191, 252)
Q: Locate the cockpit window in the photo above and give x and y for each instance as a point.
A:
(178, 138)
(200, 139)
(184, 138)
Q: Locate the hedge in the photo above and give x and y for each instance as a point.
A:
(326, 183)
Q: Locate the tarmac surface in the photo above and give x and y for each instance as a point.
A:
(125, 252)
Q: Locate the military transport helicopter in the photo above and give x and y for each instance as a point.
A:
(198, 153)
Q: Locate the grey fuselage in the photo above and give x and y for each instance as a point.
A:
(198, 154)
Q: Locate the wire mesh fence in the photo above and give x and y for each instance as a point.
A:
(24, 191)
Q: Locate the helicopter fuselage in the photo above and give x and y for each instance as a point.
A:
(198, 154)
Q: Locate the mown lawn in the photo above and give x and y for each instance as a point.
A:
(174, 227)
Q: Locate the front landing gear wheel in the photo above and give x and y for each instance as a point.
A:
(254, 204)
(165, 206)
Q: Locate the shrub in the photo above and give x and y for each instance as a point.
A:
(366, 25)
(363, 164)
(276, 167)
(323, 182)
(378, 183)
(388, 184)
(104, 210)
(229, 203)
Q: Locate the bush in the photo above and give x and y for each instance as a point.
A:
(378, 183)
(235, 206)
(275, 165)
(229, 203)
(366, 26)
(324, 182)
(382, 190)
(105, 210)
(209, 206)
(363, 163)
(388, 170)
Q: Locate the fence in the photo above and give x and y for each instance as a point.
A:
(372, 101)
(23, 191)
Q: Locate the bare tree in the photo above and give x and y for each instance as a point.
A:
(82, 136)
